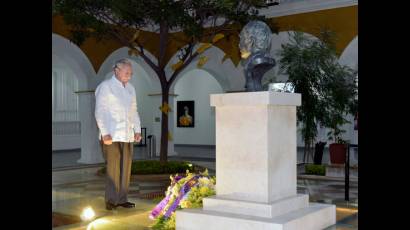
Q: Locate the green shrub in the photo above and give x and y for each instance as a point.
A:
(154, 167)
(315, 169)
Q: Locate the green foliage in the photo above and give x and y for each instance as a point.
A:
(103, 170)
(328, 89)
(196, 195)
(315, 169)
(164, 224)
(191, 16)
(155, 167)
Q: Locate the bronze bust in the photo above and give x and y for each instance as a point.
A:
(255, 43)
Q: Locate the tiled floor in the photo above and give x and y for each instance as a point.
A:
(74, 189)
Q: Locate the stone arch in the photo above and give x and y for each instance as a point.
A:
(82, 68)
(349, 56)
(75, 58)
(196, 85)
(210, 72)
(106, 67)
(226, 73)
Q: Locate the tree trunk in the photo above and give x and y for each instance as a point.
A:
(163, 155)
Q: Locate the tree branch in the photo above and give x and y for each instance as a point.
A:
(218, 29)
(148, 60)
(125, 41)
(186, 63)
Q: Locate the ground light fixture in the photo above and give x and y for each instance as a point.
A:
(87, 214)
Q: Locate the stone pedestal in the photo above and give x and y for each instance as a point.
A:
(256, 168)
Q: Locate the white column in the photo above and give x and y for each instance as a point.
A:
(157, 102)
(256, 186)
(90, 145)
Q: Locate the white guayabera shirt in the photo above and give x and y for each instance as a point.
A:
(116, 110)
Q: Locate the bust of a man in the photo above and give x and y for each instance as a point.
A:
(255, 43)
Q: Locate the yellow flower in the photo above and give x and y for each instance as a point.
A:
(186, 204)
(177, 65)
(202, 61)
(135, 36)
(165, 108)
(176, 188)
(170, 224)
(203, 181)
(217, 37)
(203, 47)
(204, 191)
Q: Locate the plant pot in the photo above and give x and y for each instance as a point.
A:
(319, 147)
(337, 153)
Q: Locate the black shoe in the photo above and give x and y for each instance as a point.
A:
(110, 206)
(127, 205)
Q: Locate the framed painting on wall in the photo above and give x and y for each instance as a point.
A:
(185, 114)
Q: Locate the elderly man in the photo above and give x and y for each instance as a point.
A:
(119, 124)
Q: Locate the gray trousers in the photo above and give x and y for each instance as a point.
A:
(119, 159)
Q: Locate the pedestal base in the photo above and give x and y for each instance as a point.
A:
(270, 210)
(314, 217)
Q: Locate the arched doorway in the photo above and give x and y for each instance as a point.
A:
(66, 124)
(196, 85)
(77, 64)
(144, 81)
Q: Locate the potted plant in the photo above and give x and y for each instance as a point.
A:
(314, 71)
(319, 147)
(337, 149)
(342, 103)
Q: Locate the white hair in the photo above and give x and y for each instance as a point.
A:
(120, 63)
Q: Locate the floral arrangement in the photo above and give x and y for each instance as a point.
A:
(184, 192)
